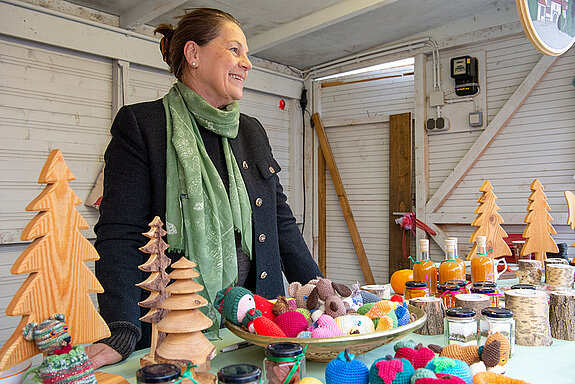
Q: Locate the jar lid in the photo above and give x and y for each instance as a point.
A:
(239, 373)
(483, 290)
(523, 286)
(499, 313)
(448, 287)
(158, 373)
(460, 283)
(285, 349)
(489, 284)
(415, 284)
(460, 312)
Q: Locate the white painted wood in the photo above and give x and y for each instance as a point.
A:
(485, 139)
(147, 11)
(421, 161)
(325, 17)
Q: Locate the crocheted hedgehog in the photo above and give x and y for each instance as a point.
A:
(63, 363)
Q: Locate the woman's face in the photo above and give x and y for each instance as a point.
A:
(221, 66)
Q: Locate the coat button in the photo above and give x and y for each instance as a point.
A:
(262, 238)
(272, 170)
(263, 275)
(259, 202)
(245, 164)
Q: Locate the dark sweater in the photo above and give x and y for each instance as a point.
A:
(135, 192)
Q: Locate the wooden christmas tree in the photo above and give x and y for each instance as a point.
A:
(183, 325)
(571, 207)
(58, 281)
(156, 283)
(538, 231)
(488, 223)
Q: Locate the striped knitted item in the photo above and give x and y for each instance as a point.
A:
(73, 367)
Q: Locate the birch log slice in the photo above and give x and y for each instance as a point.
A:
(432, 307)
(553, 261)
(529, 272)
(531, 312)
(559, 275)
(474, 301)
(562, 314)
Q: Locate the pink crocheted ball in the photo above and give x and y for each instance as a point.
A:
(292, 323)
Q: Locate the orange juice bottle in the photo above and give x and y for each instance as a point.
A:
(457, 258)
(425, 269)
(450, 269)
(482, 266)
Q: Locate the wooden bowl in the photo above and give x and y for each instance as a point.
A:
(327, 348)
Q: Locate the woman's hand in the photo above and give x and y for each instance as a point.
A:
(102, 354)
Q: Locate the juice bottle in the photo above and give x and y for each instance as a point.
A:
(450, 269)
(425, 269)
(457, 258)
(482, 266)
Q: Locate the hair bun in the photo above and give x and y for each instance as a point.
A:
(168, 31)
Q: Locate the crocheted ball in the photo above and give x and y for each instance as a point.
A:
(326, 327)
(355, 324)
(265, 327)
(451, 366)
(421, 373)
(306, 313)
(346, 370)
(388, 370)
(404, 343)
(365, 308)
(397, 298)
(402, 314)
(382, 308)
(440, 379)
(292, 323)
(368, 297)
(264, 306)
(234, 303)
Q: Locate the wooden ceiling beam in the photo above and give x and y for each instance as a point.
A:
(313, 22)
(146, 12)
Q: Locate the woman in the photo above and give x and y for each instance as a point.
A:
(207, 171)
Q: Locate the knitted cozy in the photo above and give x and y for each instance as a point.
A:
(388, 370)
(418, 357)
(326, 327)
(346, 370)
(292, 323)
(451, 366)
(355, 324)
(264, 306)
(72, 367)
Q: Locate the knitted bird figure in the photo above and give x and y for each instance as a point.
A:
(63, 363)
(451, 366)
(237, 305)
(346, 370)
(388, 370)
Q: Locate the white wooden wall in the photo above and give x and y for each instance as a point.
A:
(58, 98)
(356, 118)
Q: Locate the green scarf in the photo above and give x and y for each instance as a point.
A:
(200, 217)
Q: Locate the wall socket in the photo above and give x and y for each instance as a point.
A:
(437, 125)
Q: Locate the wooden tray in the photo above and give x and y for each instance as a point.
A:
(327, 348)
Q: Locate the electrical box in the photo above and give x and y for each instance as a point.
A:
(464, 72)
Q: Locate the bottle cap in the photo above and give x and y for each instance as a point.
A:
(450, 245)
(460, 312)
(499, 313)
(481, 240)
(239, 374)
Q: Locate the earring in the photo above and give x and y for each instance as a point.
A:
(194, 64)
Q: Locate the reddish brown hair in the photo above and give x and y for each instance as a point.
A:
(200, 25)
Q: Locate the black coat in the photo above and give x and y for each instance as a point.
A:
(135, 192)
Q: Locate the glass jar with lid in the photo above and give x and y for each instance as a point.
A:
(489, 291)
(523, 286)
(497, 320)
(460, 326)
(461, 283)
(446, 292)
(158, 373)
(284, 363)
(415, 289)
(240, 374)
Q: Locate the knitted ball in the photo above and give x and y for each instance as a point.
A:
(355, 324)
(266, 327)
(388, 370)
(346, 370)
(234, 303)
(404, 343)
(397, 298)
(264, 306)
(365, 308)
(382, 308)
(306, 313)
(326, 327)
(292, 323)
(421, 373)
(402, 314)
(368, 297)
(451, 366)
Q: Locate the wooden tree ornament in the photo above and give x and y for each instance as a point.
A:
(488, 223)
(538, 231)
(155, 283)
(58, 281)
(570, 196)
(183, 325)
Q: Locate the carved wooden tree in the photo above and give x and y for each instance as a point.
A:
(183, 325)
(58, 281)
(538, 231)
(571, 208)
(155, 283)
(488, 223)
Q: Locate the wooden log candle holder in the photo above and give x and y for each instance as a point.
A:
(559, 275)
(531, 312)
(474, 301)
(434, 310)
(530, 272)
(553, 261)
(562, 314)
